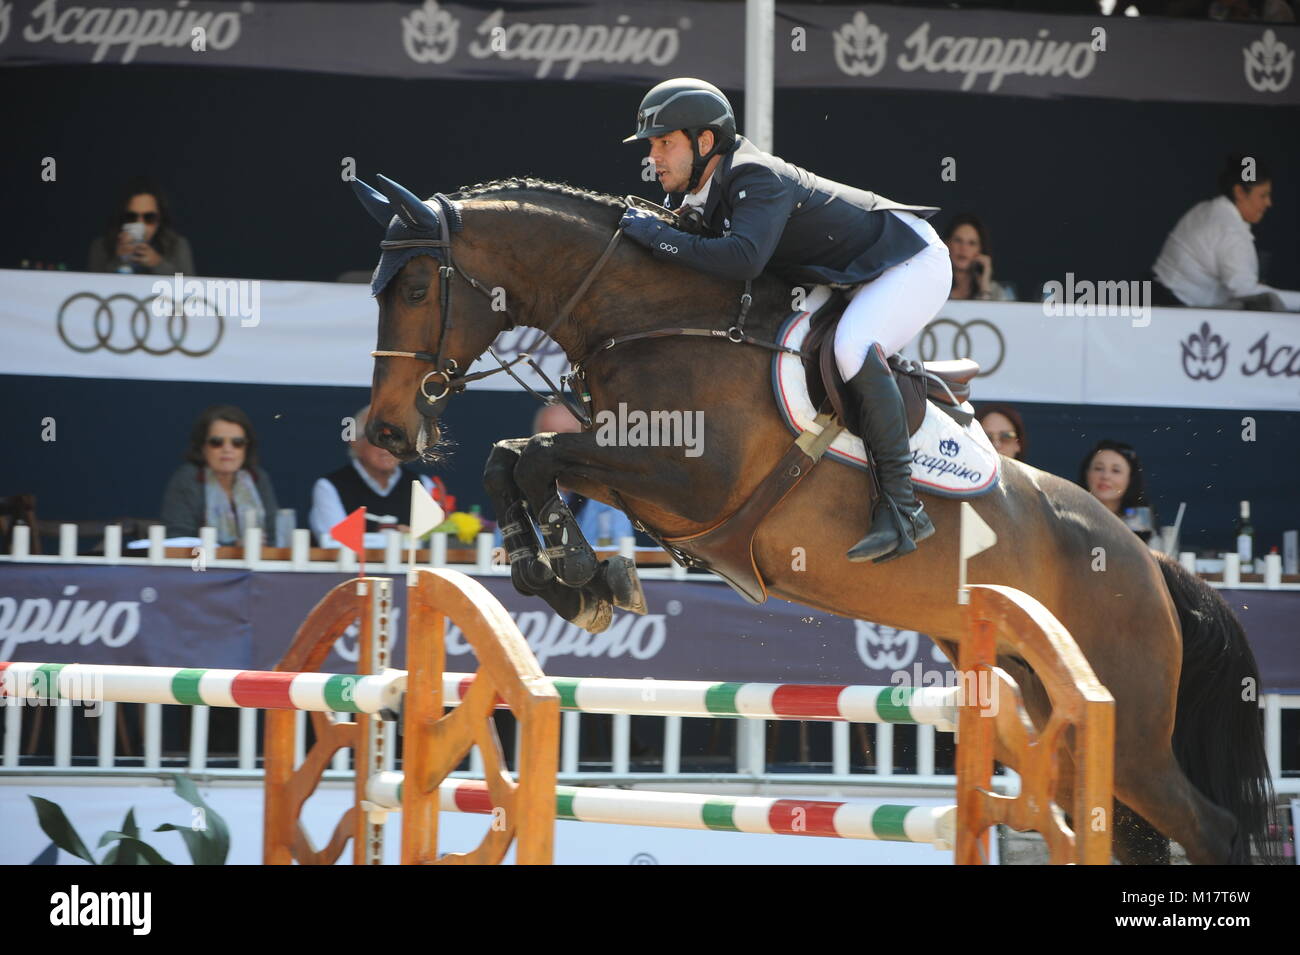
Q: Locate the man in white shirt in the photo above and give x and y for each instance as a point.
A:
(371, 479)
(1209, 259)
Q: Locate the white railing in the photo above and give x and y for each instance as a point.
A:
(300, 555)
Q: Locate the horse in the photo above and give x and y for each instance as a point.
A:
(1189, 756)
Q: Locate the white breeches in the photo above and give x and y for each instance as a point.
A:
(893, 308)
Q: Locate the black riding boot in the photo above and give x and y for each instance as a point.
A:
(898, 521)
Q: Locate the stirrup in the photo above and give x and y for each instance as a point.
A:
(908, 541)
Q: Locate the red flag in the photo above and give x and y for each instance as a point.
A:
(351, 532)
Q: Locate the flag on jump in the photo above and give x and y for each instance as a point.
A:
(976, 537)
(351, 533)
(426, 514)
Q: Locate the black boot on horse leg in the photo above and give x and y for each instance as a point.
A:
(567, 550)
(899, 521)
(531, 573)
(528, 573)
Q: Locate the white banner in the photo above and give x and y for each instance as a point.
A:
(87, 325)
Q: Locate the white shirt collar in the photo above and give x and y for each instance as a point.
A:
(372, 483)
(698, 198)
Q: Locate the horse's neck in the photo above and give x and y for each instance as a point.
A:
(552, 254)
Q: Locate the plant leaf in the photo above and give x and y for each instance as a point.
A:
(49, 857)
(55, 824)
(126, 854)
(136, 848)
(207, 846)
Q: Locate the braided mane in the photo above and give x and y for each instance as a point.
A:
(526, 184)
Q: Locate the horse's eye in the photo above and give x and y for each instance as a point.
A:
(416, 294)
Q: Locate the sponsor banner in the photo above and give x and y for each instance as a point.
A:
(867, 47)
(86, 325)
(1163, 358)
(694, 630)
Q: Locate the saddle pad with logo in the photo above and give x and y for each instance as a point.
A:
(947, 459)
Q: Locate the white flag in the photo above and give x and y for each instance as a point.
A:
(976, 536)
(426, 514)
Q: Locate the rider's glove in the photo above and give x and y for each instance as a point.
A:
(641, 226)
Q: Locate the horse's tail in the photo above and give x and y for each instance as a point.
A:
(1218, 737)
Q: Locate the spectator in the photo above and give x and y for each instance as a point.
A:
(372, 479)
(972, 262)
(1112, 473)
(157, 249)
(220, 481)
(1209, 259)
(1006, 430)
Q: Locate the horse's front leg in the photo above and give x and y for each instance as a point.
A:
(530, 571)
(545, 458)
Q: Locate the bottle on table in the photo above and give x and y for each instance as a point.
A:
(1246, 540)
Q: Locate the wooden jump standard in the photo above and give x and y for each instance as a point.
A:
(437, 740)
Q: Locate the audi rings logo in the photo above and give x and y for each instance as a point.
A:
(945, 339)
(123, 324)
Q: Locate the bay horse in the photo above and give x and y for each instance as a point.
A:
(1189, 756)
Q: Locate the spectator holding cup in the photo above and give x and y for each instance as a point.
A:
(139, 237)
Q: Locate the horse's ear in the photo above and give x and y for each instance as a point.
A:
(375, 203)
(410, 207)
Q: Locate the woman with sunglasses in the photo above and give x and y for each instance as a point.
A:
(139, 236)
(1005, 429)
(220, 481)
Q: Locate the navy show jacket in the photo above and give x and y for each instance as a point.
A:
(765, 213)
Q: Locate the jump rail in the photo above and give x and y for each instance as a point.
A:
(992, 723)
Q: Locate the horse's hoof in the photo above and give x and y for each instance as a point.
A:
(593, 615)
(619, 574)
(575, 570)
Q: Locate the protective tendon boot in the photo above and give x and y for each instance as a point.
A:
(898, 521)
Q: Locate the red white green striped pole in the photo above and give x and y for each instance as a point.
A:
(259, 689)
(867, 819)
(936, 706)
(349, 693)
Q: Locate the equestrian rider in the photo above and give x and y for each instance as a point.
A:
(760, 212)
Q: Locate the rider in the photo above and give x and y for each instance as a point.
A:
(762, 212)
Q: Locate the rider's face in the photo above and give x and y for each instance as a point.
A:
(671, 155)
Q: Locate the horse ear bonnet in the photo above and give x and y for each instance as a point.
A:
(410, 220)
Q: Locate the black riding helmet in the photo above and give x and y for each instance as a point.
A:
(690, 105)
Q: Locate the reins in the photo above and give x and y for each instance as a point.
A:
(452, 382)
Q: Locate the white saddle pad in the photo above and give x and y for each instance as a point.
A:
(947, 459)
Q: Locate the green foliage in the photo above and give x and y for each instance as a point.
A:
(207, 837)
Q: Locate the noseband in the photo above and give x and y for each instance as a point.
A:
(431, 406)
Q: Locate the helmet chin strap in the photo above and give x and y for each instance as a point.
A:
(698, 162)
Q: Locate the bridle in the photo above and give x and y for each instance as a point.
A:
(430, 406)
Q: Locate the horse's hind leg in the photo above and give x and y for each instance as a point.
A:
(1154, 787)
(1136, 841)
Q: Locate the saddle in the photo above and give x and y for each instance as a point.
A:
(946, 383)
(727, 548)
